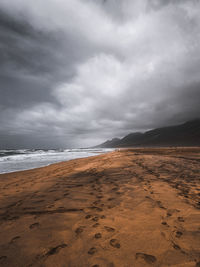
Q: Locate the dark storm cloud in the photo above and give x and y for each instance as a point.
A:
(23, 55)
(32, 61)
(74, 73)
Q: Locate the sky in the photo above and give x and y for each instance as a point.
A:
(75, 73)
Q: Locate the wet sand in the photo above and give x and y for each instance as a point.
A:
(133, 207)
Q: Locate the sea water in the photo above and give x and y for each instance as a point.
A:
(24, 159)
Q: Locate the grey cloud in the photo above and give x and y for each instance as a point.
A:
(77, 72)
(33, 61)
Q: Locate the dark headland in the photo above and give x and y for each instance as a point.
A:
(186, 134)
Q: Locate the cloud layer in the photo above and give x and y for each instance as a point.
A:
(76, 72)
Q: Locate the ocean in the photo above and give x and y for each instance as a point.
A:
(25, 159)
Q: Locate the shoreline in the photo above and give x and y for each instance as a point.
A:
(130, 207)
(140, 149)
(95, 154)
(46, 165)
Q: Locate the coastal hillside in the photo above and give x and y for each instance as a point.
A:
(186, 134)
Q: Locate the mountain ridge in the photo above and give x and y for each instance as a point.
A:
(185, 134)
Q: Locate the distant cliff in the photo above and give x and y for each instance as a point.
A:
(186, 134)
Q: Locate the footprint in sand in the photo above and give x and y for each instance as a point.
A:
(175, 246)
(92, 251)
(14, 239)
(98, 235)
(79, 230)
(109, 229)
(95, 225)
(96, 202)
(114, 188)
(179, 234)
(160, 205)
(88, 216)
(95, 219)
(3, 258)
(55, 250)
(180, 219)
(169, 214)
(150, 259)
(110, 199)
(115, 243)
(34, 225)
(111, 206)
(39, 201)
(96, 208)
(164, 223)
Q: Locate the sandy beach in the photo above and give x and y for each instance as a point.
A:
(132, 207)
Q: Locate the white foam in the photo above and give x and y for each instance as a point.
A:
(17, 160)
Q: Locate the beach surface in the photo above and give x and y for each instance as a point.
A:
(132, 207)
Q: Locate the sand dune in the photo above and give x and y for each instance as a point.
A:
(133, 207)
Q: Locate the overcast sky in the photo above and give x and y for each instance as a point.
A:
(74, 73)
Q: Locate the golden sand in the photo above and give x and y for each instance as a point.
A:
(133, 207)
